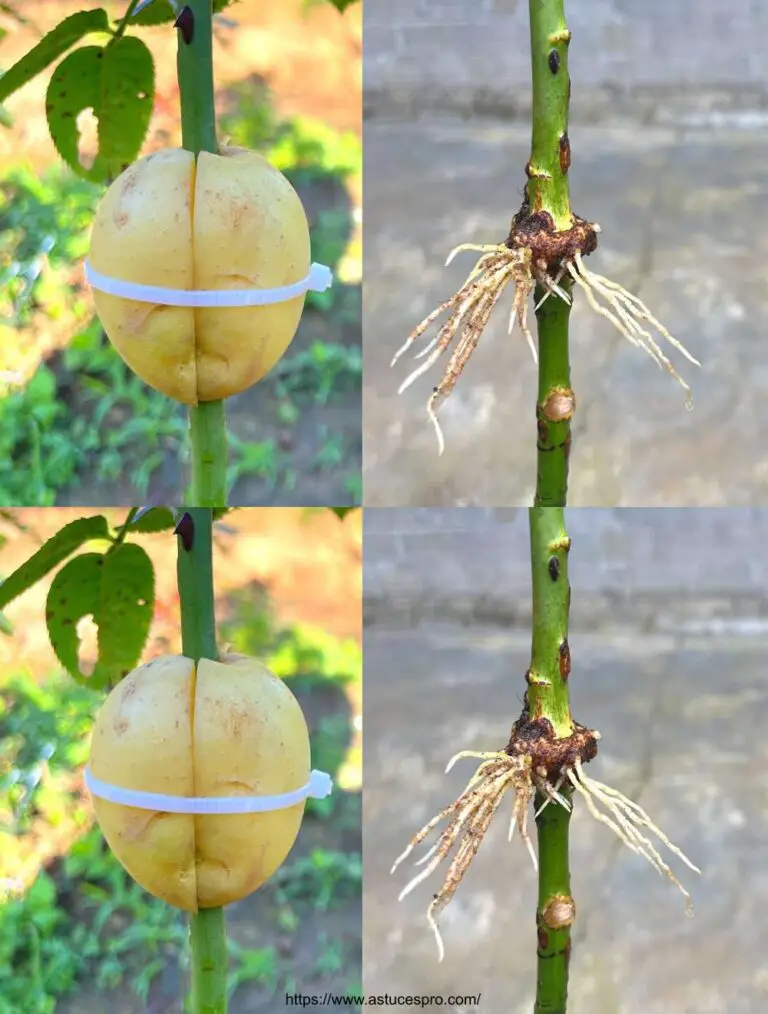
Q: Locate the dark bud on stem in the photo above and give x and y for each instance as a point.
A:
(565, 153)
(185, 23)
(554, 61)
(185, 530)
(565, 660)
(554, 568)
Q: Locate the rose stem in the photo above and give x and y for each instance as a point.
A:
(547, 190)
(547, 697)
(207, 930)
(547, 694)
(207, 422)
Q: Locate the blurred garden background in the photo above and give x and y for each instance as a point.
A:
(76, 426)
(74, 928)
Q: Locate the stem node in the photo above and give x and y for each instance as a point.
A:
(559, 405)
(559, 912)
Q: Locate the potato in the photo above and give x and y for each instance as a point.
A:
(229, 729)
(143, 233)
(251, 232)
(225, 221)
(142, 739)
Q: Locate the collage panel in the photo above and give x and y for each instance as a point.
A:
(664, 657)
(550, 610)
(180, 760)
(490, 128)
(180, 268)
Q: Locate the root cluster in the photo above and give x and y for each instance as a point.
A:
(533, 254)
(534, 765)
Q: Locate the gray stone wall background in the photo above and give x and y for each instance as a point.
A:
(659, 60)
(685, 570)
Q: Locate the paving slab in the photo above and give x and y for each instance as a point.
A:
(678, 208)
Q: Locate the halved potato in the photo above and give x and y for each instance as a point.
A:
(225, 221)
(142, 233)
(231, 728)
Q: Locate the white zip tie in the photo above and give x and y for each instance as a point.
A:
(319, 279)
(319, 786)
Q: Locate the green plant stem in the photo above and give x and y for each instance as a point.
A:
(120, 30)
(550, 655)
(548, 190)
(554, 947)
(208, 439)
(207, 422)
(207, 929)
(195, 579)
(208, 939)
(194, 65)
(548, 167)
(548, 697)
(553, 446)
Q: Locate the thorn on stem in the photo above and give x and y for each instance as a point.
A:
(185, 22)
(185, 530)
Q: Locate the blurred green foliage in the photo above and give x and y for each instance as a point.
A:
(43, 224)
(41, 726)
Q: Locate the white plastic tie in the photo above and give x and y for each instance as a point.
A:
(319, 786)
(319, 279)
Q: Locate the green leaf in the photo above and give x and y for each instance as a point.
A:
(161, 12)
(341, 5)
(128, 89)
(65, 34)
(159, 519)
(64, 542)
(116, 81)
(158, 13)
(117, 590)
(74, 593)
(125, 612)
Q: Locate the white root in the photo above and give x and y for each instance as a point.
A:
(470, 815)
(500, 265)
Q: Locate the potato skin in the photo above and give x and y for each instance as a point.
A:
(226, 221)
(230, 729)
(142, 233)
(251, 739)
(142, 739)
(251, 232)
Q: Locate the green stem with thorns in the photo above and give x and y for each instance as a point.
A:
(547, 697)
(208, 429)
(547, 190)
(207, 929)
(550, 656)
